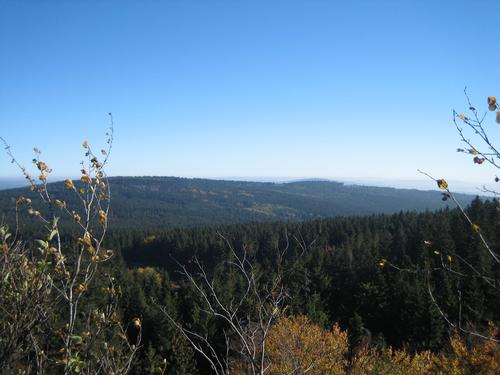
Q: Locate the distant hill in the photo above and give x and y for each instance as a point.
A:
(172, 201)
(11, 183)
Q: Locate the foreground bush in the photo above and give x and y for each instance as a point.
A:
(298, 346)
(58, 309)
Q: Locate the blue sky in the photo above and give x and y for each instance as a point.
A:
(337, 89)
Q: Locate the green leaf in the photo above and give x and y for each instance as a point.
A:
(52, 234)
(43, 244)
(76, 339)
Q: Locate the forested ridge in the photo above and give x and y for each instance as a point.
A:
(159, 202)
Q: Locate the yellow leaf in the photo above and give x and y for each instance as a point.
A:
(68, 184)
(102, 217)
(59, 203)
(442, 184)
(82, 287)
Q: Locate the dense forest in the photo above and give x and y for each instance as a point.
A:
(337, 278)
(159, 202)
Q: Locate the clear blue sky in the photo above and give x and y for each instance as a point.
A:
(257, 88)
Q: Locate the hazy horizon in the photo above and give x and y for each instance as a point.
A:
(420, 184)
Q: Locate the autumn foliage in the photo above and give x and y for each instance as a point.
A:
(481, 358)
(298, 346)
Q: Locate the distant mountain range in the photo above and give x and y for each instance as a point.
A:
(11, 183)
(172, 201)
(466, 187)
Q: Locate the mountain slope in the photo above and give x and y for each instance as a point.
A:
(172, 201)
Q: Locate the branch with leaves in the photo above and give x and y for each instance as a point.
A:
(52, 278)
(482, 149)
